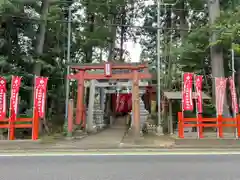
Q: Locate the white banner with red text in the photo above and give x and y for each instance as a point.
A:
(198, 86)
(233, 95)
(220, 89)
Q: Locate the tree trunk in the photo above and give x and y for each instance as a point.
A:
(167, 47)
(41, 37)
(183, 21)
(111, 47)
(216, 51)
(123, 31)
(39, 45)
(113, 33)
(89, 47)
(217, 61)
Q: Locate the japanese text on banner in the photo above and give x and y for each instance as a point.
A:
(16, 82)
(220, 84)
(3, 90)
(234, 95)
(187, 102)
(198, 85)
(40, 95)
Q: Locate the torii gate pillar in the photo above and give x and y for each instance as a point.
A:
(136, 104)
(80, 94)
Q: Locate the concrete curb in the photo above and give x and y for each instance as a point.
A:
(119, 151)
(120, 148)
(205, 147)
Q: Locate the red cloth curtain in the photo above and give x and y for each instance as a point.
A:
(122, 102)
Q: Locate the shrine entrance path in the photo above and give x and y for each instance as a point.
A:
(108, 138)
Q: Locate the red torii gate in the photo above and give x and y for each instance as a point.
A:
(133, 75)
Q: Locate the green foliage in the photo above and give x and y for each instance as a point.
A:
(97, 25)
(185, 45)
(92, 22)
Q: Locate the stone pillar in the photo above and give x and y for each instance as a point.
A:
(91, 106)
(143, 113)
(98, 116)
(102, 98)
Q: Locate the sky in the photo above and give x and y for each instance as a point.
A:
(135, 48)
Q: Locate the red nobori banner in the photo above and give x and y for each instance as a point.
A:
(3, 90)
(220, 89)
(40, 94)
(187, 102)
(234, 95)
(15, 87)
(198, 86)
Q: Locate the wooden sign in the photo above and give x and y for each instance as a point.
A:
(108, 69)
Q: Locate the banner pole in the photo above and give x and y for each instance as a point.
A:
(3, 101)
(220, 90)
(10, 113)
(233, 91)
(235, 121)
(217, 115)
(35, 114)
(196, 101)
(182, 103)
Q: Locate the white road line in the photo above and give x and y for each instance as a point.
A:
(60, 154)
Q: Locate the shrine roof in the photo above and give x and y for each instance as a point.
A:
(178, 95)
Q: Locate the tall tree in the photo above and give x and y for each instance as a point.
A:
(216, 51)
(41, 36)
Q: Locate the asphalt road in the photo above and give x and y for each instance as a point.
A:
(124, 167)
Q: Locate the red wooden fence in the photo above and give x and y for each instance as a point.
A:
(200, 122)
(23, 123)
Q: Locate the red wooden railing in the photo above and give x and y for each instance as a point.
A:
(11, 125)
(200, 122)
